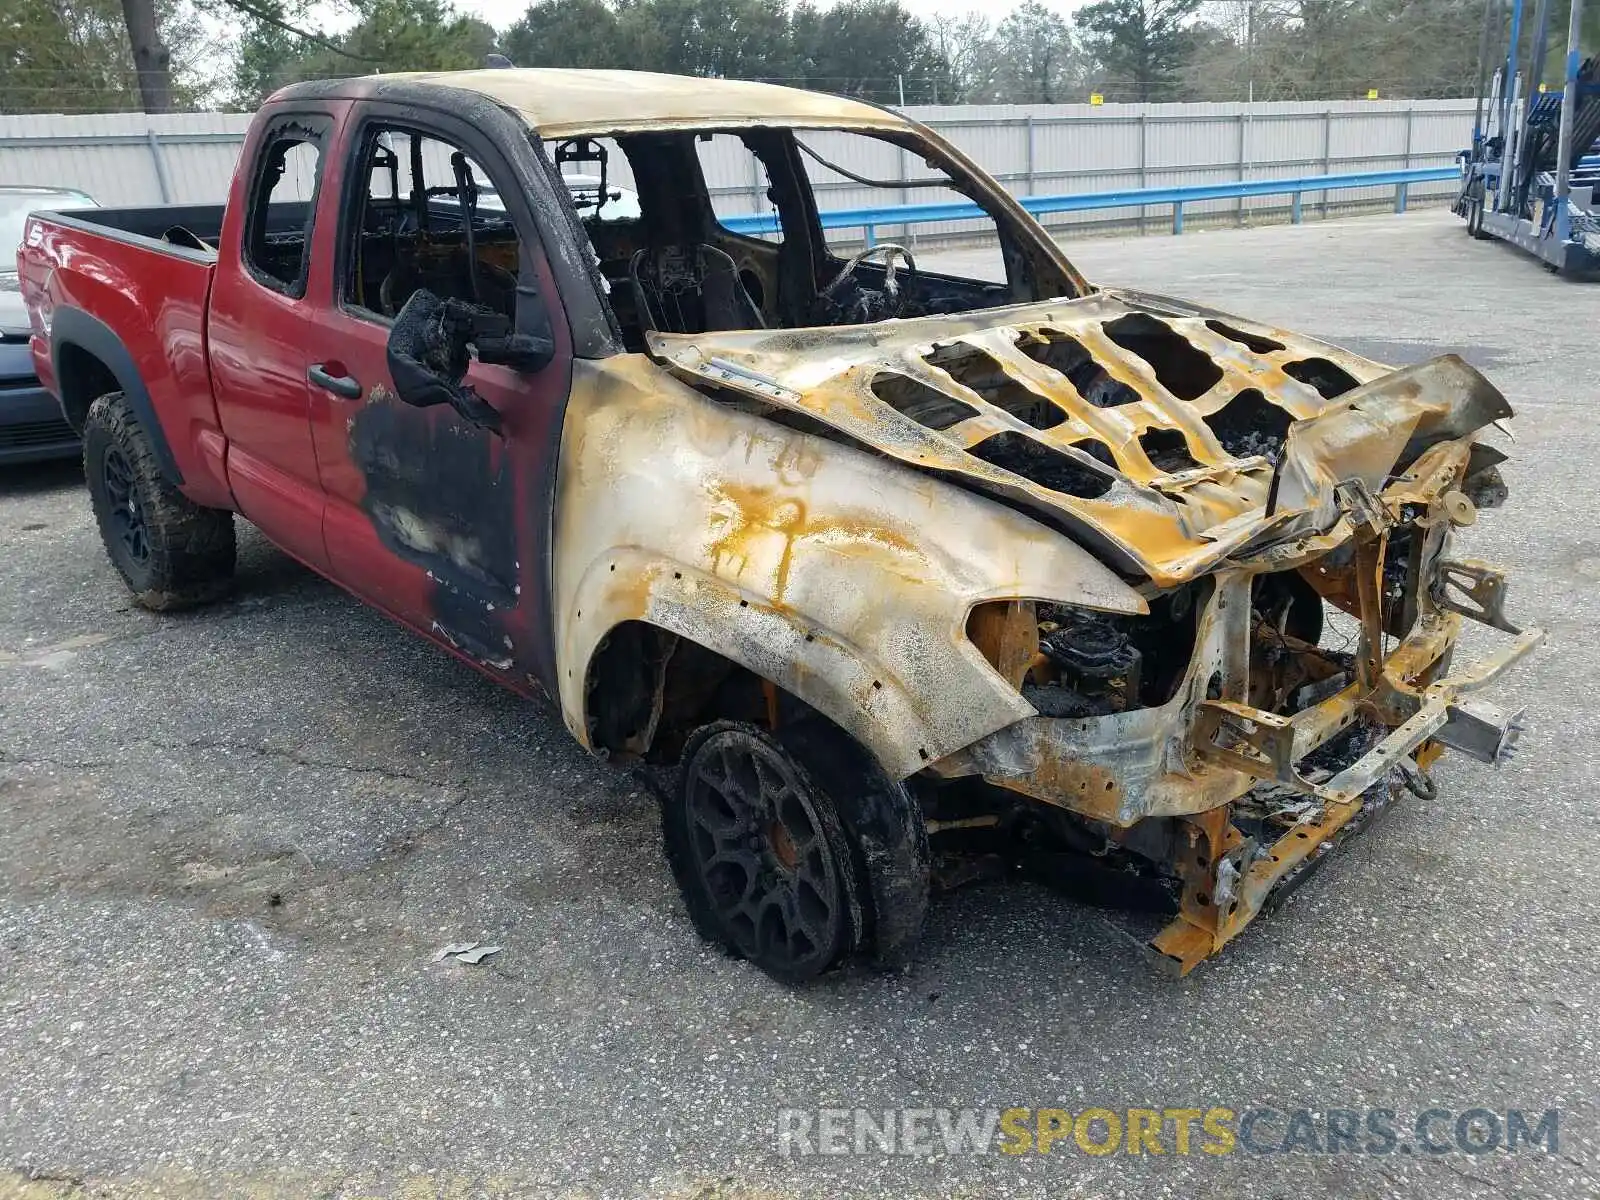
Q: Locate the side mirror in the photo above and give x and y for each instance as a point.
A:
(431, 345)
(496, 342)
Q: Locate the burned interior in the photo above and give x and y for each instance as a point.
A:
(677, 268)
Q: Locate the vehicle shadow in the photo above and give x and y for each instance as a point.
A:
(41, 478)
(263, 572)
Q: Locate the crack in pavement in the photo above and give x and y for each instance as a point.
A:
(260, 751)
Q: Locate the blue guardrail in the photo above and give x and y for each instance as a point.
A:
(921, 214)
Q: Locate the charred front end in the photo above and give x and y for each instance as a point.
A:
(1286, 511)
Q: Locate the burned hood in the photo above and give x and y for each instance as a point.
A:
(1163, 436)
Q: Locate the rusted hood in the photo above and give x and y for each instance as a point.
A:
(1163, 436)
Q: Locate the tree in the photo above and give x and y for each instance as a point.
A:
(736, 39)
(74, 56)
(152, 61)
(867, 48)
(1140, 45)
(1036, 61)
(565, 33)
(402, 35)
(965, 46)
(266, 55)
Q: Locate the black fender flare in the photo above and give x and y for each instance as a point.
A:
(76, 328)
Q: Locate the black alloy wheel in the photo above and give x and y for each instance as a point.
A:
(761, 856)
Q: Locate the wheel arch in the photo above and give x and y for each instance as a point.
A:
(648, 682)
(90, 360)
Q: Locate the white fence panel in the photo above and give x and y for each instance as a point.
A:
(131, 159)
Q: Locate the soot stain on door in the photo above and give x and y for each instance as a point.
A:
(440, 494)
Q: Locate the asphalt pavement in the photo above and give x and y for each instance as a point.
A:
(232, 843)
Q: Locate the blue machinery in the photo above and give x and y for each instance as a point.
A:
(868, 219)
(1532, 175)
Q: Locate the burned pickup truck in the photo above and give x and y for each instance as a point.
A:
(875, 565)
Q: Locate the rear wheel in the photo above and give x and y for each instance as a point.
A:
(1475, 216)
(171, 552)
(760, 854)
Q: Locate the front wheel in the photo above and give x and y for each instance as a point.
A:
(760, 854)
(171, 552)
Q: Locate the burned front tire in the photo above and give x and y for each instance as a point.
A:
(760, 854)
(171, 552)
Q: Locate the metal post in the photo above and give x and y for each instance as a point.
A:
(1327, 155)
(1512, 47)
(905, 198)
(1244, 126)
(1294, 210)
(1490, 9)
(163, 180)
(1400, 189)
(1144, 159)
(1033, 188)
(1569, 104)
(1511, 159)
(1541, 42)
(1177, 218)
(1250, 50)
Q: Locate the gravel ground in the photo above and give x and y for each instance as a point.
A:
(231, 842)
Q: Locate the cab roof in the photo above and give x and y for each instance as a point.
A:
(561, 102)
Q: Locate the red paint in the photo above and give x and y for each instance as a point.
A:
(225, 358)
(159, 312)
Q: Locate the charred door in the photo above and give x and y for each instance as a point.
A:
(442, 522)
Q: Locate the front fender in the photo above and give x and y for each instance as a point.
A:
(844, 578)
(821, 667)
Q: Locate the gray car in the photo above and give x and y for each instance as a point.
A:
(31, 424)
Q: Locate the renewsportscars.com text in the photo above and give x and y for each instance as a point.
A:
(1182, 1131)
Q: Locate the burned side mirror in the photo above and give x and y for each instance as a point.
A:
(432, 344)
(496, 341)
(429, 350)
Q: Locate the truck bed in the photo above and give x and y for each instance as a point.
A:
(129, 290)
(157, 223)
(189, 227)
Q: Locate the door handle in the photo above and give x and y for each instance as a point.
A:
(339, 385)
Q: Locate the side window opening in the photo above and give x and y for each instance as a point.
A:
(719, 231)
(666, 261)
(740, 187)
(598, 180)
(283, 207)
(428, 216)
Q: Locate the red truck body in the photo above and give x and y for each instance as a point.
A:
(219, 364)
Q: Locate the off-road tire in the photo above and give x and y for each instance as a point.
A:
(787, 901)
(171, 552)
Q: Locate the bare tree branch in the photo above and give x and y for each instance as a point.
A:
(259, 14)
